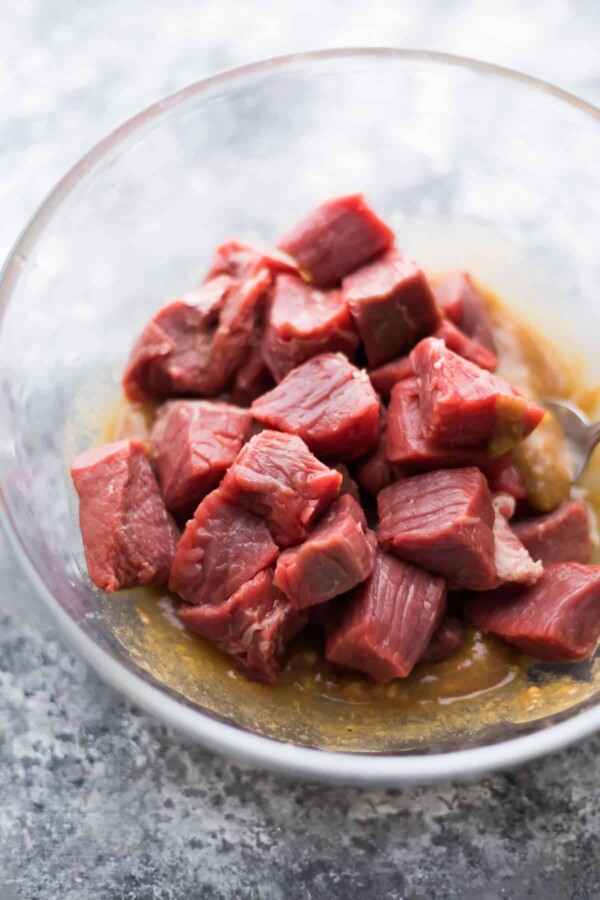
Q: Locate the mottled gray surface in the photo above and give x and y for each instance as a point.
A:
(98, 801)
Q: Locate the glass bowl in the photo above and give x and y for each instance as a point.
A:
(474, 166)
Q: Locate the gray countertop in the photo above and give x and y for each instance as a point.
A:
(96, 799)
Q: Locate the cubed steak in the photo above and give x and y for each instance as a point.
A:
(336, 238)
(560, 536)
(513, 562)
(464, 406)
(233, 339)
(383, 378)
(128, 536)
(327, 402)
(253, 378)
(348, 486)
(222, 548)
(407, 446)
(195, 345)
(459, 299)
(194, 442)
(303, 322)
(442, 521)
(253, 626)
(503, 475)
(392, 305)
(447, 640)
(376, 472)
(456, 340)
(387, 624)
(171, 355)
(244, 260)
(336, 556)
(276, 477)
(555, 620)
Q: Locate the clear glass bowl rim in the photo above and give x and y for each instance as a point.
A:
(302, 762)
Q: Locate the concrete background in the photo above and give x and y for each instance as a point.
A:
(97, 800)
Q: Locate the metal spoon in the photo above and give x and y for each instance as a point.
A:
(582, 436)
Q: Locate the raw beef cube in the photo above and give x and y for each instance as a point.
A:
(253, 379)
(556, 620)
(303, 322)
(376, 472)
(232, 340)
(559, 536)
(128, 535)
(513, 562)
(171, 355)
(336, 238)
(327, 402)
(348, 486)
(222, 548)
(195, 345)
(388, 623)
(336, 556)
(194, 443)
(465, 406)
(503, 475)
(405, 442)
(392, 305)
(385, 377)
(458, 298)
(443, 522)
(253, 626)
(448, 638)
(243, 260)
(456, 340)
(277, 477)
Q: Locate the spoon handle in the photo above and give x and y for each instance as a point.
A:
(594, 435)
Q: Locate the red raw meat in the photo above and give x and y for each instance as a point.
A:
(385, 377)
(349, 486)
(336, 238)
(443, 522)
(195, 345)
(327, 402)
(457, 296)
(392, 305)
(375, 472)
(128, 535)
(194, 442)
(556, 620)
(277, 477)
(243, 261)
(449, 637)
(253, 626)
(559, 536)
(513, 562)
(336, 556)
(253, 379)
(172, 354)
(232, 341)
(408, 447)
(389, 621)
(303, 322)
(222, 548)
(465, 406)
(503, 475)
(456, 340)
